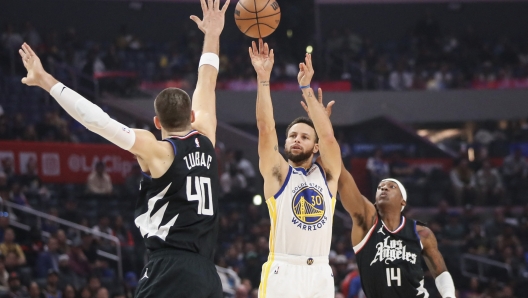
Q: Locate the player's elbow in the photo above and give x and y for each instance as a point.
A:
(265, 127)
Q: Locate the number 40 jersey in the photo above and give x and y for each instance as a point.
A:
(180, 209)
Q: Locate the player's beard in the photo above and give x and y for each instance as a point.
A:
(298, 158)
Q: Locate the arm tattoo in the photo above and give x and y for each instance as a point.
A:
(309, 94)
(275, 148)
(264, 83)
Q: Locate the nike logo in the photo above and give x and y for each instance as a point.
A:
(62, 89)
(145, 276)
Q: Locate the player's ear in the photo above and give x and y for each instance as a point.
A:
(157, 122)
(193, 117)
(316, 148)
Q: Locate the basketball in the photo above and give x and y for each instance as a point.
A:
(257, 18)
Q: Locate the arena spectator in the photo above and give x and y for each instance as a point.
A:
(48, 259)
(489, 185)
(515, 171)
(99, 182)
(9, 245)
(16, 289)
(463, 182)
(34, 291)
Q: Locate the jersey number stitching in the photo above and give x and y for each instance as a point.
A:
(200, 184)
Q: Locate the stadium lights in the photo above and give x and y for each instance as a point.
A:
(257, 200)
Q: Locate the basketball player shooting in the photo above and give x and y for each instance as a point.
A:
(389, 246)
(177, 210)
(299, 193)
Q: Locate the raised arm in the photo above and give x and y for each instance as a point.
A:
(204, 97)
(361, 210)
(272, 165)
(137, 141)
(435, 262)
(328, 146)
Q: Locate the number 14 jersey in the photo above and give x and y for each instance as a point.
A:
(180, 209)
(390, 262)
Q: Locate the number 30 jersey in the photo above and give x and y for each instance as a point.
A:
(302, 214)
(390, 262)
(180, 209)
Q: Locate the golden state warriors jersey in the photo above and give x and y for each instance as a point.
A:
(302, 214)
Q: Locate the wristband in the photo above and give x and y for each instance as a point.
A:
(304, 87)
(211, 59)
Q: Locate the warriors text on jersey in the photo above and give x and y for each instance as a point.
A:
(390, 262)
(180, 209)
(301, 214)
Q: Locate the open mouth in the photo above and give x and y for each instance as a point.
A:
(295, 147)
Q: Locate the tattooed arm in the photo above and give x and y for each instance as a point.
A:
(272, 165)
(435, 262)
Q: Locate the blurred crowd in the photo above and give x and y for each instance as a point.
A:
(426, 58)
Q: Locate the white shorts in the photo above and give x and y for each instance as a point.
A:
(288, 276)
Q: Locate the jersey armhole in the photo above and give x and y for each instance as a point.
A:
(172, 143)
(416, 231)
(290, 169)
(324, 177)
(361, 244)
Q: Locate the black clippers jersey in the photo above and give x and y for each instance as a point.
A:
(390, 263)
(180, 209)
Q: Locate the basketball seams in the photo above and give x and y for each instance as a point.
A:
(267, 16)
(264, 7)
(257, 17)
(246, 22)
(240, 2)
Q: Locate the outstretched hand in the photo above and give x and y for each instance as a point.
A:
(33, 66)
(213, 17)
(306, 71)
(262, 59)
(328, 107)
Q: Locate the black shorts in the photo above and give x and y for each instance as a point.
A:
(179, 274)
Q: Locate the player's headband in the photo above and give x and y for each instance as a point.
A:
(402, 189)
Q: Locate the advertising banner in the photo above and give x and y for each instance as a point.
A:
(66, 162)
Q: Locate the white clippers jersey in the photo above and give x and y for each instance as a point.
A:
(302, 214)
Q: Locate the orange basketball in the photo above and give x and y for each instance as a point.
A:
(257, 18)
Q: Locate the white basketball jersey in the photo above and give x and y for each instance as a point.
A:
(302, 214)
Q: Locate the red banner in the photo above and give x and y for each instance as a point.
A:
(68, 163)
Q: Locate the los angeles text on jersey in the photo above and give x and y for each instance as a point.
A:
(308, 206)
(196, 159)
(391, 250)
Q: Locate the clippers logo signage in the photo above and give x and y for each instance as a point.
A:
(67, 163)
(308, 207)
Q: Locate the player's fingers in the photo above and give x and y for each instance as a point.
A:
(309, 61)
(217, 5)
(226, 5)
(210, 5)
(260, 46)
(305, 107)
(330, 104)
(272, 56)
(266, 49)
(195, 19)
(204, 5)
(24, 80)
(320, 95)
(254, 46)
(29, 50)
(251, 55)
(22, 54)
